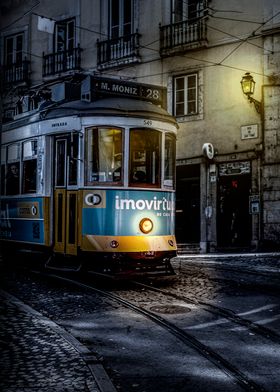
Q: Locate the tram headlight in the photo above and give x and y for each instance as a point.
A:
(146, 225)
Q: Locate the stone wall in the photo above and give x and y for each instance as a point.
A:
(271, 166)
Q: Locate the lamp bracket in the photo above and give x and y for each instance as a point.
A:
(257, 104)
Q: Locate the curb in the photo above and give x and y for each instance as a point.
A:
(97, 370)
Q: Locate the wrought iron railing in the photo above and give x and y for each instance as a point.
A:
(63, 61)
(117, 49)
(16, 73)
(180, 35)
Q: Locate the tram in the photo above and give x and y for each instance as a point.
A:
(93, 179)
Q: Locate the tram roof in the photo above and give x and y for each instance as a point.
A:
(112, 107)
(120, 107)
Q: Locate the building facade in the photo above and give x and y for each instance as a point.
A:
(228, 146)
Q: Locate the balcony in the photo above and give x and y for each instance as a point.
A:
(16, 73)
(182, 36)
(62, 62)
(118, 51)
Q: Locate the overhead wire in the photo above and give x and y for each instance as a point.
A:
(20, 17)
(239, 38)
(250, 36)
(210, 63)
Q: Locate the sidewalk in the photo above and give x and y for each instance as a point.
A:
(38, 355)
(262, 262)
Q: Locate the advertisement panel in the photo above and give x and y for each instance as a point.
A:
(119, 212)
(22, 220)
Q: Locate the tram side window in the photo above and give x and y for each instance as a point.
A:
(104, 156)
(145, 157)
(13, 170)
(12, 179)
(29, 167)
(169, 161)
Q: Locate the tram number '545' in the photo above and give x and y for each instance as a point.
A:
(148, 123)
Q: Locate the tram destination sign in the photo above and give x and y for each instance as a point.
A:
(116, 87)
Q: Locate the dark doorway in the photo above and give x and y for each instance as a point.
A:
(234, 220)
(188, 204)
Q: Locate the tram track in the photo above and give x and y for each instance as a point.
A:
(219, 311)
(236, 375)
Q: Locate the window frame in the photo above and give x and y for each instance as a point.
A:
(120, 27)
(29, 158)
(16, 55)
(185, 91)
(11, 161)
(89, 155)
(13, 154)
(143, 159)
(69, 41)
(169, 161)
(186, 10)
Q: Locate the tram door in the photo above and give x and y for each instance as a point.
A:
(65, 194)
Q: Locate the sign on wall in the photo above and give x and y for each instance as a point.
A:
(249, 132)
(254, 204)
(234, 168)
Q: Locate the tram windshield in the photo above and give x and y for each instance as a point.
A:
(104, 155)
(144, 163)
(150, 161)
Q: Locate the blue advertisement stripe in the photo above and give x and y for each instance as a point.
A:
(123, 210)
(22, 220)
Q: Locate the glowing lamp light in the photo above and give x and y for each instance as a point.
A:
(146, 225)
(248, 84)
(248, 88)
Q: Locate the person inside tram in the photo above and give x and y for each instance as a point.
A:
(117, 173)
(13, 180)
(139, 176)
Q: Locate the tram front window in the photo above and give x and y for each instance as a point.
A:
(144, 162)
(104, 156)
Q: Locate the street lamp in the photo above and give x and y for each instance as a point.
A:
(248, 88)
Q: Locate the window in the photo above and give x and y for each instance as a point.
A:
(13, 58)
(29, 166)
(73, 160)
(186, 10)
(65, 45)
(20, 175)
(60, 171)
(120, 18)
(13, 170)
(65, 35)
(169, 161)
(144, 162)
(104, 155)
(185, 95)
(14, 49)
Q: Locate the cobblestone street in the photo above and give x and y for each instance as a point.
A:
(38, 354)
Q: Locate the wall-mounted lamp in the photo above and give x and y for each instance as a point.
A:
(248, 88)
